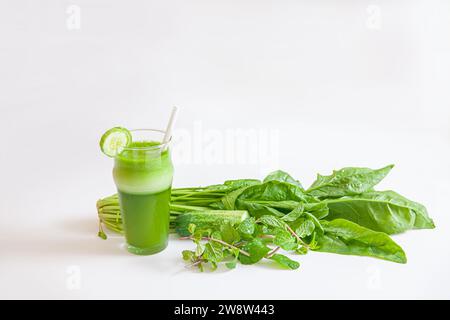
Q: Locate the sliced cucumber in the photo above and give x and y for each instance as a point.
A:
(114, 140)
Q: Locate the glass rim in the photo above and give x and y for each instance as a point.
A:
(159, 146)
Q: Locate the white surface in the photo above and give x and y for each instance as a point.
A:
(322, 84)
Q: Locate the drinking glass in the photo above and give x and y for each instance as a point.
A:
(143, 174)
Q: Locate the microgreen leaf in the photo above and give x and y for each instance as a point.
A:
(305, 229)
(216, 235)
(285, 240)
(229, 233)
(199, 249)
(272, 221)
(247, 227)
(213, 252)
(257, 250)
(302, 250)
(188, 255)
(197, 235)
(285, 262)
(191, 228)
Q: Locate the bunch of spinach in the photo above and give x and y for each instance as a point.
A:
(340, 213)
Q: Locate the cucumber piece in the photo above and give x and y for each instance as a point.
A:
(208, 219)
(114, 140)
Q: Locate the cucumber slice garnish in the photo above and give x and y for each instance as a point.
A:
(114, 140)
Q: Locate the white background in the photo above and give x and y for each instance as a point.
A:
(334, 83)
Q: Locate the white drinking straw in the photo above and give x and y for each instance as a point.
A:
(169, 127)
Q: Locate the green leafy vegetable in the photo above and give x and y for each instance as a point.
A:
(188, 255)
(256, 249)
(213, 253)
(285, 262)
(285, 240)
(272, 221)
(240, 183)
(306, 228)
(295, 213)
(247, 227)
(347, 181)
(229, 233)
(317, 209)
(231, 264)
(282, 177)
(384, 211)
(258, 200)
(345, 237)
(233, 189)
(246, 220)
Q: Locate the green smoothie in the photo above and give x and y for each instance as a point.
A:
(143, 176)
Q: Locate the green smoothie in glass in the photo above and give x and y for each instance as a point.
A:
(143, 174)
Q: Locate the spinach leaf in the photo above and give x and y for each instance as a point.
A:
(274, 191)
(284, 261)
(228, 201)
(384, 211)
(347, 181)
(282, 177)
(239, 183)
(282, 206)
(232, 189)
(345, 237)
(422, 221)
(256, 199)
(271, 211)
(294, 214)
(231, 185)
(319, 210)
(315, 221)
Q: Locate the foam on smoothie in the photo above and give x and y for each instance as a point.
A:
(142, 168)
